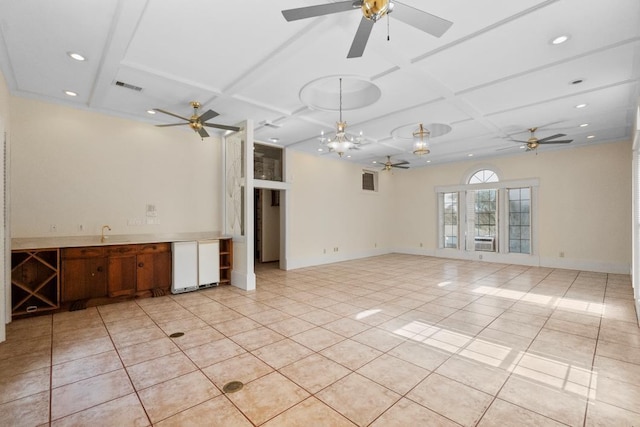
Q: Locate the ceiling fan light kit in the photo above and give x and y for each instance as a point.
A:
(533, 142)
(374, 10)
(400, 164)
(197, 122)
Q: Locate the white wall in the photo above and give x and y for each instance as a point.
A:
(328, 209)
(5, 235)
(72, 167)
(584, 204)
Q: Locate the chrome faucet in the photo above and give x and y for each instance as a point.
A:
(103, 237)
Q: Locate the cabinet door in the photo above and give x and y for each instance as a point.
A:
(153, 271)
(122, 275)
(83, 278)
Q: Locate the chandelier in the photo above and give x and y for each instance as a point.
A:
(420, 141)
(340, 143)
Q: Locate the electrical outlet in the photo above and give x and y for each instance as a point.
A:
(375, 245)
(420, 244)
(561, 254)
(53, 228)
(324, 251)
(480, 256)
(80, 227)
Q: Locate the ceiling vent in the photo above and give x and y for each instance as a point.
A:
(129, 86)
(270, 124)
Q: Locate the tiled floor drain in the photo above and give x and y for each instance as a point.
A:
(176, 335)
(232, 387)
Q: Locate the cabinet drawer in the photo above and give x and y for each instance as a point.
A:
(150, 248)
(87, 252)
(121, 250)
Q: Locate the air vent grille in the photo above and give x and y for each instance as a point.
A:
(369, 180)
(129, 86)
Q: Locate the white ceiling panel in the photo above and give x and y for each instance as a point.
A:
(491, 76)
(546, 85)
(86, 26)
(523, 44)
(611, 99)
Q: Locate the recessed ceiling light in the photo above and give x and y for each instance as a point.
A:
(522, 147)
(320, 150)
(470, 154)
(76, 56)
(581, 106)
(584, 125)
(274, 139)
(591, 136)
(560, 39)
(150, 112)
(428, 161)
(374, 162)
(348, 157)
(70, 93)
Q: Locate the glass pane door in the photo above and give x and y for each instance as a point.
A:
(482, 220)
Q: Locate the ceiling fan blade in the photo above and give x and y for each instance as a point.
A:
(507, 148)
(225, 127)
(209, 114)
(203, 133)
(318, 10)
(169, 113)
(172, 124)
(560, 141)
(400, 167)
(558, 135)
(361, 38)
(401, 162)
(421, 20)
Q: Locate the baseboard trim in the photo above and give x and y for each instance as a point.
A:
(515, 259)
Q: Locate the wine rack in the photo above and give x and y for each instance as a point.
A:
(35, 282)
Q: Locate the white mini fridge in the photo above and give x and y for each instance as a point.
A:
(196, 265)
(208, 263)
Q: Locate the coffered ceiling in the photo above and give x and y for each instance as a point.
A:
(491, 76)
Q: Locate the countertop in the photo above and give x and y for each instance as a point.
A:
(22, 243)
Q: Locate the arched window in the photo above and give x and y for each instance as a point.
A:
(483, 176)
(485, 214)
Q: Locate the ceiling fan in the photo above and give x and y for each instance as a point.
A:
(401, 164)
(372, 11)
(533, 142)
(198, 122)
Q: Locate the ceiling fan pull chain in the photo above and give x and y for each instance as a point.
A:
(340, 99)
(388, 38)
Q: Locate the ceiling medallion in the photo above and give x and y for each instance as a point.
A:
(320, 94)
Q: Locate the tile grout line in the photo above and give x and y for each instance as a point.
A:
(495, 397)
(124, 368)
(51, 372)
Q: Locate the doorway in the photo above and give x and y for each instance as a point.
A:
(267, 226)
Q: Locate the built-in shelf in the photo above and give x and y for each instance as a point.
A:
(35, 282)
(226, 260)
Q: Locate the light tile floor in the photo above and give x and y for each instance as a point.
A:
(395, 340)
